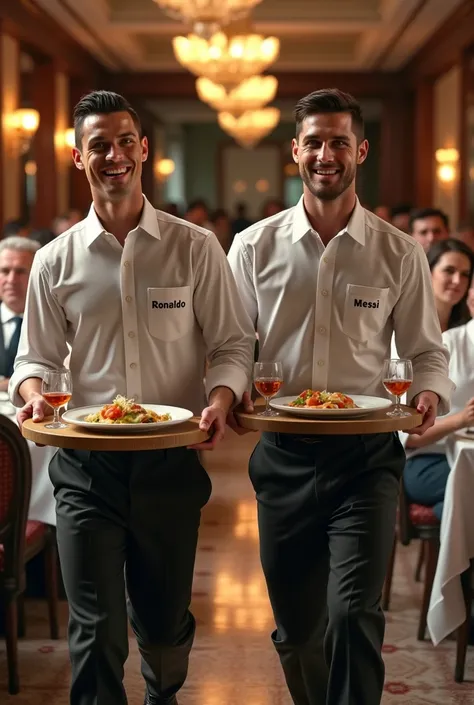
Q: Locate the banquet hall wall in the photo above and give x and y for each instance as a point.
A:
(422, 108)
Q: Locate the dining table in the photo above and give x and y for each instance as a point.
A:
(447, 610)
(42, 504)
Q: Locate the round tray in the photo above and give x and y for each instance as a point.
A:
(375, 422)
(184, 434)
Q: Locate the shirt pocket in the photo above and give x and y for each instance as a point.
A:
(365, 311)
(170, 313)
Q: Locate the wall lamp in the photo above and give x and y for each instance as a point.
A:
(164, 168)
(21, 126)
(446, 160)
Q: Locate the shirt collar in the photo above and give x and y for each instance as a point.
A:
(6, 314)
(355, 227)
(148, 223)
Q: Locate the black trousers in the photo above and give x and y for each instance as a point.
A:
(326, 512)
(127, 527)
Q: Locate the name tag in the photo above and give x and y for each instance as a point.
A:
(360, 303)
(168, 304)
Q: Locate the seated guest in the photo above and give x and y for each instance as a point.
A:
(16, 257)
(18, 226)
(428, 225)
(400, 217)
(383, 212)
(465, 233)
(198, 213)
(452, 265)
(427, 469)
(220, 225)
(241, 220)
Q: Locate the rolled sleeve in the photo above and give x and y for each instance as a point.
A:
(416, 311)
(42, 344)
(227, 330)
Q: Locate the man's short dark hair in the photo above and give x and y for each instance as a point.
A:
(101, 103)
(401, 209)
(421, 213)
(13, 227)
(330, 100)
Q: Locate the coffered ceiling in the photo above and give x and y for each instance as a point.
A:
(316, 35)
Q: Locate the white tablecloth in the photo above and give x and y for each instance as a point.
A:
(42, 504)
(447, 611)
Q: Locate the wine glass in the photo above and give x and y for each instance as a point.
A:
(268, 378)
(397, 378)
(56, 390)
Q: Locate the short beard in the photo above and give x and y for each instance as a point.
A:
(328, 193)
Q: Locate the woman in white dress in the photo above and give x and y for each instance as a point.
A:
(427, 469)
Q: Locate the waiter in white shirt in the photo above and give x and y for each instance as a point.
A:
(326, 283)
(142, 298)
(16, 258)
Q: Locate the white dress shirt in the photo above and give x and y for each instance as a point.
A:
(140, 319)
(328, 313)
(7, 317)
(460, 344)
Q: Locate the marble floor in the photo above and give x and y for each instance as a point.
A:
(233, 661)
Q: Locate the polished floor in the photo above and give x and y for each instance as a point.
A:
(233, 662)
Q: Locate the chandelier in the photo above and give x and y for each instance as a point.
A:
(251, 94)
(207, 15)
(226, 60)
(251, 127)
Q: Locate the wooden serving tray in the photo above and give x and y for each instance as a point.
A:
(375, 422)
(187, 433)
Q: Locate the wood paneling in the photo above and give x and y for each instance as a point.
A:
(422, 159)
(291, 85)
(396, 150)
(27, 22)
(80, 193)
(445, 48)
(44, 100)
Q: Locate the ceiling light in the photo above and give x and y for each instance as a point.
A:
(251, 127)
(207, 16)
(252, 94)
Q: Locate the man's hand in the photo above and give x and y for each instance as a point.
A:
(213, 417)
(33, 409)
(249, 408)
(426, 403)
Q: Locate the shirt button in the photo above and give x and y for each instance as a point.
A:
(322, 329)
(321, 363)
(128, 299)
(133, 365)
(324, 292)
(126, 264)
(131, 334)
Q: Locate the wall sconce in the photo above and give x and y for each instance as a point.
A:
(164, 168)
(446, 160)
(22, 125)
(70, 137)
(64, 141)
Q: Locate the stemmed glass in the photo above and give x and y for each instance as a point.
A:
(268, 378)
(397, 378)
(56, 390)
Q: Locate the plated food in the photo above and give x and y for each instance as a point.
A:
(328, 405)
(323, 400)
(125, 411)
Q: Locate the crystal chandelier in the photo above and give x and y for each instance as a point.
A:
(251, 127)
(226, 60)
(207, 15)
(251, 94)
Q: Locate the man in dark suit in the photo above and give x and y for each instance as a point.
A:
(16, 257)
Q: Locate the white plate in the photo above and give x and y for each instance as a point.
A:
(77, 416)
(366, 406)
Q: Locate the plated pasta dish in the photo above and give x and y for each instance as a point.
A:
(323, 400)
(125, 411)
